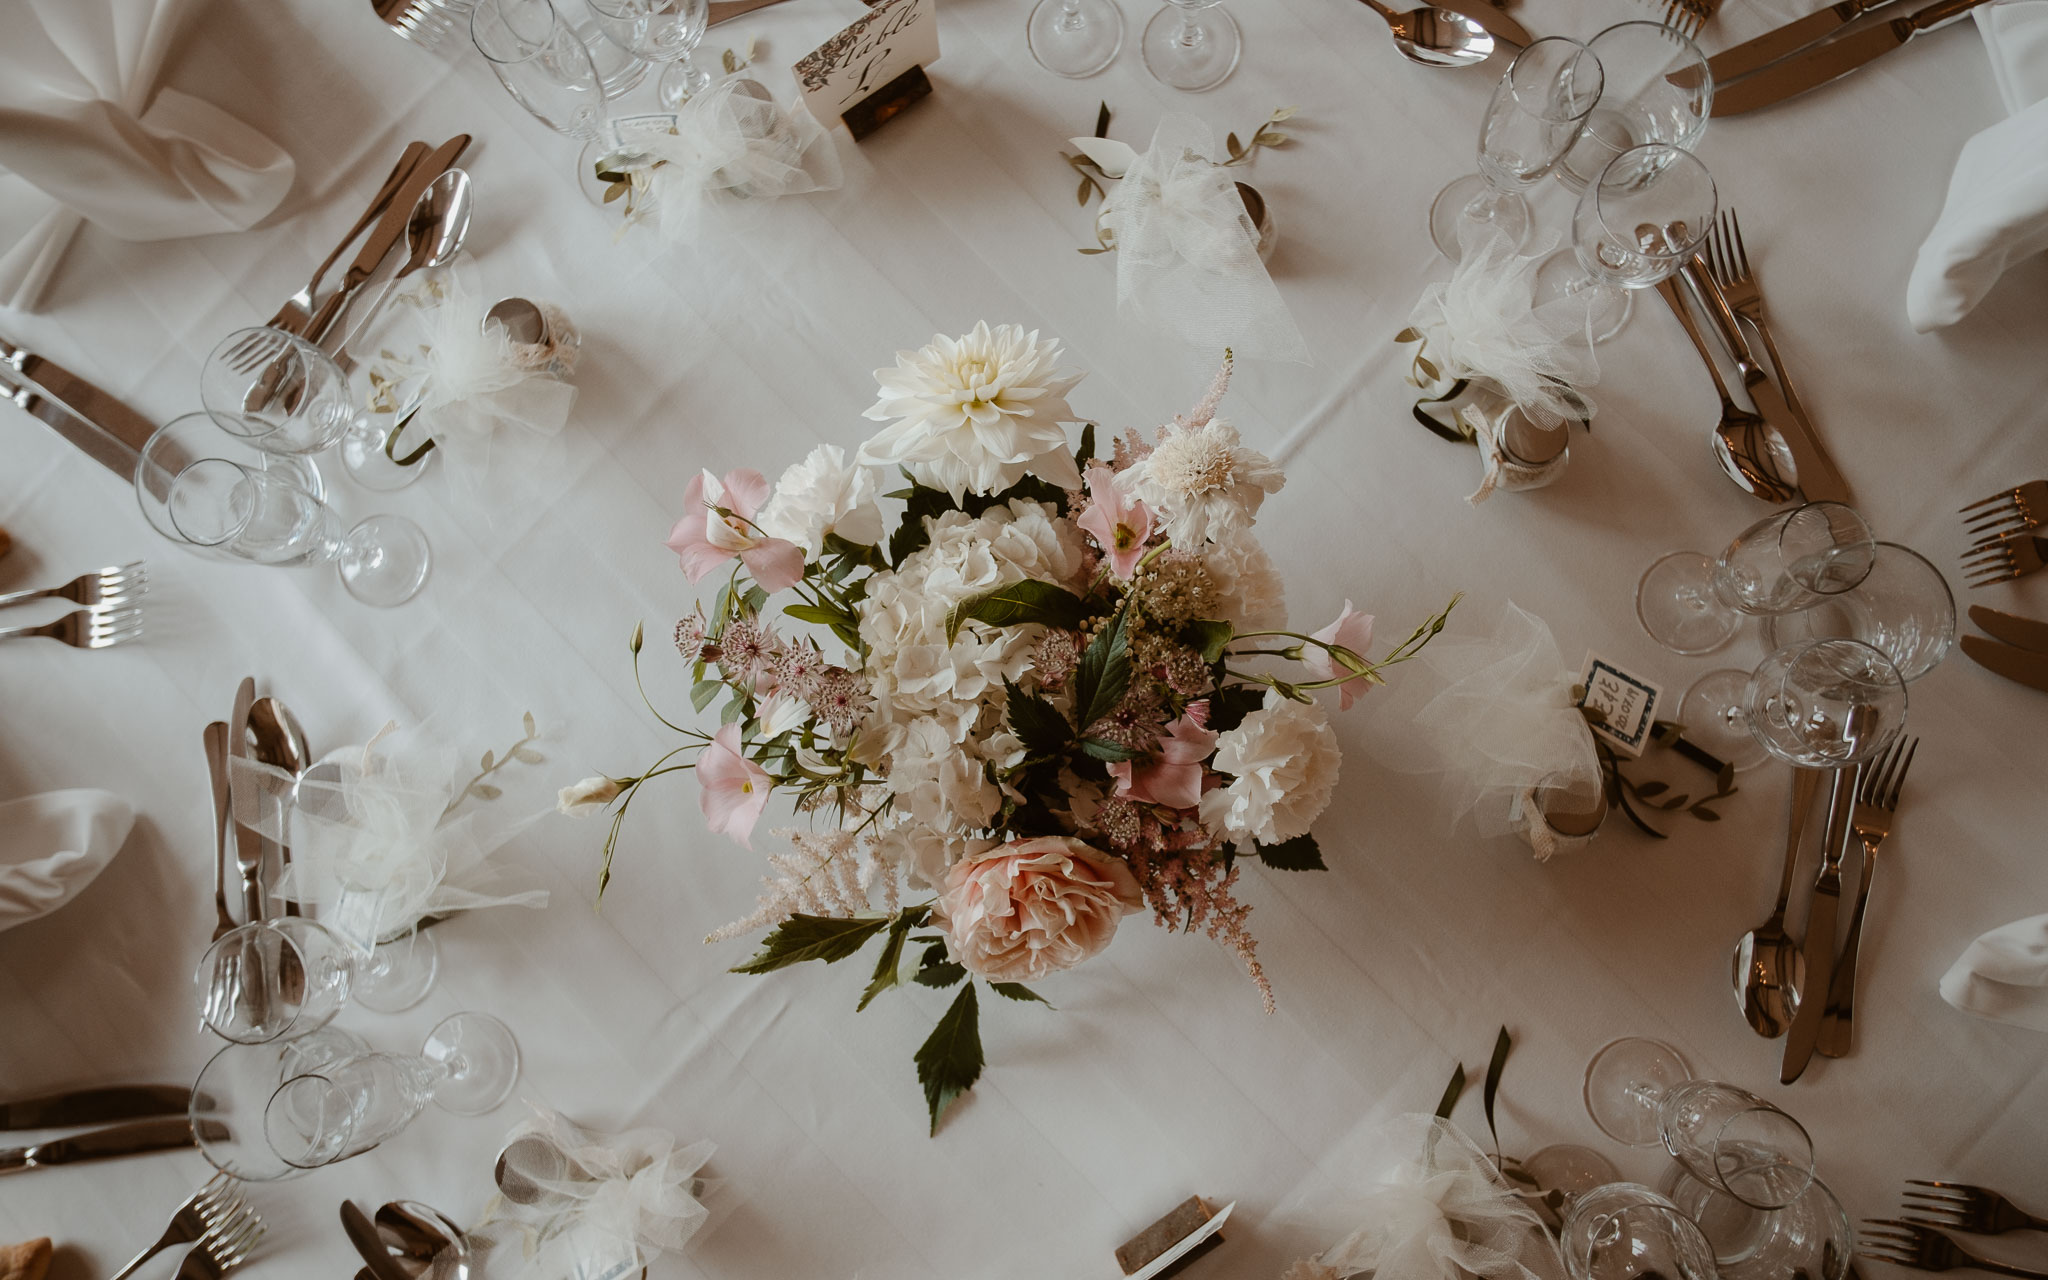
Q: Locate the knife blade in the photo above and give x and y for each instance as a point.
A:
(2019, 665)
(1818, 944)
(114, 455)
(95, 1106)
(100, 1144)
(78, 395)
(1783, 42)
(287, 315)
(2024, 632)
(389, 231)
(724, 10)
(1815, 67)
(248, 843)
(362, 1233)
(215, 739)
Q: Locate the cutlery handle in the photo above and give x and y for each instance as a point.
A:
(1934, 15)
(1836, 1021)
(2005, 1268)
(15, 1159)
(1715, 303)
(33, 593)
(407, 162)
(216, 739)
(170, 1237)
(1692, 330)
(47, 629)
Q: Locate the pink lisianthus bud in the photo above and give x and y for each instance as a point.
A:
(1120, 524)
(1352, 630)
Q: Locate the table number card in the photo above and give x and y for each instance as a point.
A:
(872, 70)
(1628, 701)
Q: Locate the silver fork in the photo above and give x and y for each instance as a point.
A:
(209, 1206)
(424, 22)
(2014, 511)
(1924, 1249)
(2002, 559)
(1977, 1210)
(1687, 16)
(257, 348)
(104, 588)
(86, 628)
(223, 1248)
(1876, 801)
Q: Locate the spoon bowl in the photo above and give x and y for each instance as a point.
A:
(1437, 37)
(415, 1233)
(1769, 967)
(434, 233)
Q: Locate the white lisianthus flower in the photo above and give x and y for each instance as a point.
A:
(976, 412)
(1282, 763)
(1250, 594)
(1201, 483)
(781, 713)
(821, 495)
(586, 797)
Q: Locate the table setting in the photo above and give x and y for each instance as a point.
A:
(636, 497)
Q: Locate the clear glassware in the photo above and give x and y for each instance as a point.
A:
(1646, 215)
(618, 72)
(1629, 1232)
(235, 1087)
(665, 31)
(1658, 89)
(285, 978)
(1809, 1237)
(537, 56)
(1791, 560)
(277, 391)
(1796, 706)
(1903, 609)
(186, 439)
(1074, 38)
(1536, 112)
(1191, 45)
(1641, 1093)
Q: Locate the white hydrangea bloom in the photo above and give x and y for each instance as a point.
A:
(820, 495)
(1282, 762)
(1250, 594)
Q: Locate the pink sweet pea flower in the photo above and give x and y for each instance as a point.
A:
(1120, 523)
(704, 539)
(1175, 778)
(1353, 631)
(735, 789)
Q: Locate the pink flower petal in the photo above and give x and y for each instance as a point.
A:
(777, 565)
(734, 788)
(745, 491)
(1352, 630)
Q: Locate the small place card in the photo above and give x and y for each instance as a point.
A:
(1629, 703)
(869, 72)
(1163, 1249)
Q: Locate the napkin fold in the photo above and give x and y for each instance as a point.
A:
(88, 135)
(1997, 208)
(52, 845)
(2004, 975)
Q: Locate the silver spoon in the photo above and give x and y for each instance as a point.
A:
(1436, 37)
(433, 235)
(415, 1233)
(521, 319)
(1770, 969)
(279, 741)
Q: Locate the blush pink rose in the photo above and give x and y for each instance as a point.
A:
(1033, 907)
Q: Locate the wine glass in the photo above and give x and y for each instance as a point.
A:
(192, 436)
(537, 56)
(277, 391)
(236, 1084)
(1074, 38)
(618, 70)
(1903, 609)
(1797, 706)
(1641, 1093)
(1635, 226)
(281, 979)
(1791, 560)
(1658, 89)
(1536, 111)
(664, 31)
(1191, 45)
(1809, 1237)
(1626, 1232)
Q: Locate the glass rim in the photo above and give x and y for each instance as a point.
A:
(1759, 1106)
(346, 1127)
(241, 932)
(1598, 186)
(476, 15)
(224, 539)
(1515, 88)
(1664, 30)
(1785, 527)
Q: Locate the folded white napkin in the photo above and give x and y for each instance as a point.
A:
(2004, 975)
(1997, 210)
(52, 845)
(86, 134)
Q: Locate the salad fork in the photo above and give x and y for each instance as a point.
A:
(1925, 1249)
(2002, 559)
(102, 589)
(1977, 1210)
(2016, 510)
(86, 628)
(222, 1248)
(1876, 800)
(214, 1204)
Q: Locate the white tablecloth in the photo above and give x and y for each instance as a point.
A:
(1157, 1077)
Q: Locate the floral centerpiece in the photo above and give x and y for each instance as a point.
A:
(1064, 690)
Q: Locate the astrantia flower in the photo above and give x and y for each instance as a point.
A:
(1119, 524)
(690, 638)
(718, 524)
(1201, 483)
(1282, 761)
(976, 412)
(747, 651)
(1353, 631)
(822, 495)
(734, 788)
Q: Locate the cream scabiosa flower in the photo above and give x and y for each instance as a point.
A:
(1282, 762)
(976, 412)
(1202, 483)
(822, 495)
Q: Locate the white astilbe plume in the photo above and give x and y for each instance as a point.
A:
(831, 874)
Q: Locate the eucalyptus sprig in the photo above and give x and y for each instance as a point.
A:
(1621, 789)
(1091, 175)
(492, 762)
(1263, 136)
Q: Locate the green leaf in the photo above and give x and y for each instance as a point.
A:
(755, 599)
(1207, 636)
(485, 790)
(1086, 452)
(1018, 991)
(1407, 335)
(1104, 749)
(1271, 138)
(1501, 1044)
(489, 756)
(1102, 121)
(1427, 369)
(1090, 252)
(703, 692)
(1284, 113)
(1081, 195)
(1648, 789)
(527, 755)
(848, 635)
(935, 970)
(889, 966)
(802, 938)
(614, 191)
(1103, 673)
(531, 731)
(950, 1061)
(1037, 723)
(1236, 147)
(1018, 603)
(911, 536)
(1449, 1102)
(1299, 854)
(1705, 814)
(823, 617)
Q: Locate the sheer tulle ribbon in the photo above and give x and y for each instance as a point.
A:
(1483, 323)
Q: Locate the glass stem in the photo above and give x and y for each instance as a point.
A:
(1070, 16)
(1190, 35)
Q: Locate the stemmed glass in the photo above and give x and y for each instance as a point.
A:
(226, 1109)
(1903, 609)
(1658, 89)
(1074, 38)
(1641, 1093)
(285, 978)
(1536, 111)
(1626, 1232)
(1797, 706)
(1691, 603)
(284, 395)
(660, 31)
(537, 56)
(1191, 45)
(1809, 1237)
(1645, 216)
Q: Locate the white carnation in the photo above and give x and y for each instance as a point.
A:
(1283, 765)
(1249, 592)
(821, 495)
(1202, 483)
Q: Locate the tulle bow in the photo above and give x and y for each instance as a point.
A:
(1483, 323)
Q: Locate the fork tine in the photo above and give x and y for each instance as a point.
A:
(1874, 776)
(1936, 1197)
(1946, 1186)
(1741, 250)
(1898, 780)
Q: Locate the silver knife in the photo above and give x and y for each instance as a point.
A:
(2024, 632)
(100, 1144)
(248, 843)
(77, 395)
(1815, 67)
(113, 454)
(2020, 665)
(1818, 945)
(725, 10)
(95, 1106)
(384, 236)
(1787, 40)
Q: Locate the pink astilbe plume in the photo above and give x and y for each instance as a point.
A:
(1192, 892)
(1205, 408)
